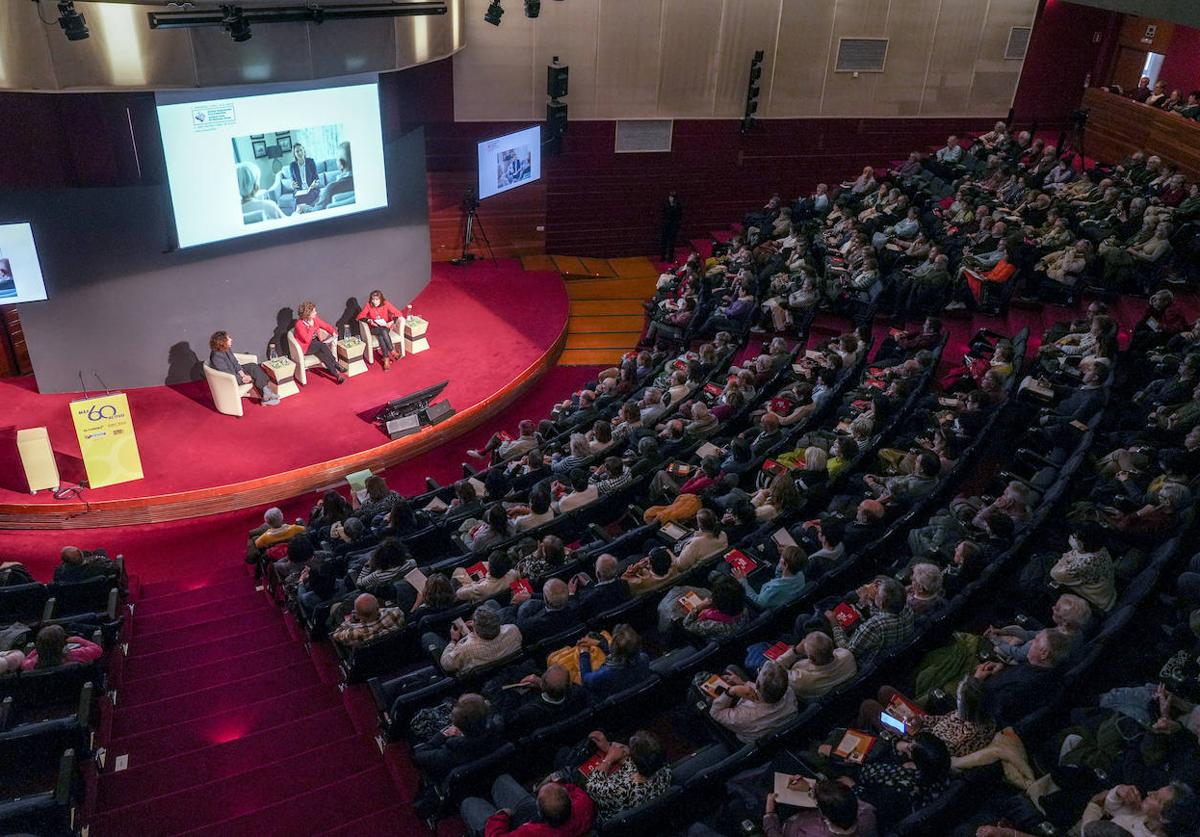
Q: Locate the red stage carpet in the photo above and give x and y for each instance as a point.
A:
(487, 325)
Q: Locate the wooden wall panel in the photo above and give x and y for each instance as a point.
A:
(688, 70)
(910, 39)
(568, 30)
(844, 95)
(628, 54)
(798, 80)
(1119, 126)
(747, 26)
(955, 44)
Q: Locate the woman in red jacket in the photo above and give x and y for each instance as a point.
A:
(309, 335)
(380, 315)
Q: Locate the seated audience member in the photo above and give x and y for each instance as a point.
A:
(222, 358)
(1012, 691)
(388, 564)
(815, 665)
(53, 648)
(380, 500)
(1070, 615)
(11, 661)
(547, 557)
(624, 665)
(479, 536)
(484, 641)
(965, 730)
(552, 614)
(559, 810)
(473, 733)
(583, 491)
(500, 574)
(629, 776)
(916, 775)
(785, 587)
(887, 622)
(535, 514)
(435, 597)
(499, 449)
(273, 530)
(545, 699)
(606, 592)
(925, 589)
(839, 813)
(80, 565)
(288, 568)
(752, 710)
(720, 612)
(368, 621)
(319, 584)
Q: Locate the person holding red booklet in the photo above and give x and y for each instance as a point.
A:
(786, 586)
(558, 810)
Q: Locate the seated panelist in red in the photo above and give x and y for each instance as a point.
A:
(381, 315)
(311, 333)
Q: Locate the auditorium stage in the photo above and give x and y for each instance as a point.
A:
(494, 330)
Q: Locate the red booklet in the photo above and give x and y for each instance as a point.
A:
(588, 767)
(854, 746)
(740, 561)
(679, 469)
(775, 468)
(679, 364)
(477, 570)
(846, 615)
(777, 650)
(521, 584)
(713, 390)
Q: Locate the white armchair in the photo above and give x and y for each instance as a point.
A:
(364, 331)
(305, 362)
(227, 390)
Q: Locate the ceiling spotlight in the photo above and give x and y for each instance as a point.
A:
(73, 24)
(494, 12)
(235, 23)
(533, 8)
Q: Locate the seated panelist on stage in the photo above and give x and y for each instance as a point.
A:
(381, 316)
(305, 183)
(222, 358)
(311, 333)
(343, 185)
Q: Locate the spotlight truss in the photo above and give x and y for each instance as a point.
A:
(237, 20)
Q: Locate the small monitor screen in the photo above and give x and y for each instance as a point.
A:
(20, 270)
(510, 161)
(248, 164)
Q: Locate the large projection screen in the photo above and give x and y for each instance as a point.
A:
(240, 165)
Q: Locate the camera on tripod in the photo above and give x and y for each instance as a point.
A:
(469, 202)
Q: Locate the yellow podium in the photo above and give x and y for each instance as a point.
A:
(37, 457)
(106, 440)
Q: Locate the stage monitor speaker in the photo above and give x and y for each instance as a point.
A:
(439, 411)
(556, 80)
(403, 426)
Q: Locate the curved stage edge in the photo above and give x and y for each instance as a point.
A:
(276, 487)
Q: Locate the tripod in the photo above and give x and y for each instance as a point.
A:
(472, 226)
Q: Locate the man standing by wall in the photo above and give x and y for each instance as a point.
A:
(672, 219)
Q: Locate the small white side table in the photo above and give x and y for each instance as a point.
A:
(350, 352)
(414, 335)
(282, 373)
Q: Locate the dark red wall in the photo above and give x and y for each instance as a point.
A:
(1062, 54)
(1181, 66)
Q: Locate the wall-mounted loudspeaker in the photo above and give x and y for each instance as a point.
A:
(556, 79)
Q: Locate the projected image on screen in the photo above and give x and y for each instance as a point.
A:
(299, 170)
(510, 161)
(20, 270)
(245, 165)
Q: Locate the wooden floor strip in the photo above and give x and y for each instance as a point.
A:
(604, 307)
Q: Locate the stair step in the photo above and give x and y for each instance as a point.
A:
(630, 322)
(398, 820)
(198, 595)
(230, 797)
(195, 614)
(604, 340)
(213, 575)
(154, 779)
(590, 357)
(612, 288)
(604, 307)
(145, 746)
(230, 694)
(367, 792)
(170, 684)
(217, 627)
(634, 267)
(140, 664)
